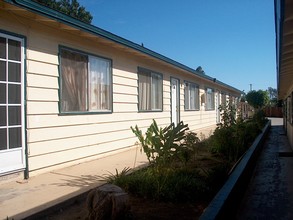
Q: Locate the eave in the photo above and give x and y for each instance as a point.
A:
(53, 18)
(284, 45)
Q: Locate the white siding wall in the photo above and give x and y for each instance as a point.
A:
(54, 139)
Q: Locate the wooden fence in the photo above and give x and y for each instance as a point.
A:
(273, 112)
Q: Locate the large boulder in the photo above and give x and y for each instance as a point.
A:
(107, 202)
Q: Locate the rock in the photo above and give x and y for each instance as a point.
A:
(107, 202)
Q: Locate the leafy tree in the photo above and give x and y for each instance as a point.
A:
(257, 99)
(272, 93)
(68, 7)
(273, 96)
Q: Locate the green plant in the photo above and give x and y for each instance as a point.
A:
(114, 177)
(257, 99)
(228, 115)
(259, 118)
(232, 137)
(161, 145)
(191, 144)
(174, 185)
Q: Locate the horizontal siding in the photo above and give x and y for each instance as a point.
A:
(125, 98)
(42, 108)
(50, 133)
(124, 89)
(40, 94)
(122, 80)
(61, 157)
(81, 141)
(125, 107)
(57, 139)
(44, 56)
(41, 81)
(35, 67)
(47, 121)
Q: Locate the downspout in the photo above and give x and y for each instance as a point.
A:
(26, 171)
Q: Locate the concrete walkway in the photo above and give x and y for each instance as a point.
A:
(270, 192)
(21, 199)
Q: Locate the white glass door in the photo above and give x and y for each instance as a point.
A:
(12, 138)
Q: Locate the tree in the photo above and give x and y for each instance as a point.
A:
(257, 99)
(68, 7)
(273, 96)
(272, 93)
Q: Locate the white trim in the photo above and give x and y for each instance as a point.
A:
(12, 160)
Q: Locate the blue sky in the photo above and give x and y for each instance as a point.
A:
(232, 40)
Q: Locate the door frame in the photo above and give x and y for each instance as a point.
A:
(217, 105)
(177, 104)
(23, 166)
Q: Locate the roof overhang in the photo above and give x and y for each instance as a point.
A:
(53, 18)
(284, 46)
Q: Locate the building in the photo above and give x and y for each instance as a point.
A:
(70, 91)
(284, 49)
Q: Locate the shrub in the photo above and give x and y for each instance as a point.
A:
(172, 185)
(232, 137)
(228, 115)
(259, 118)
(162, 145)
(164, 180)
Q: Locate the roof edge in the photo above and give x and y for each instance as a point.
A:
(60, 17)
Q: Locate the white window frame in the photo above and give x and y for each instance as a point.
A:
(188, 96)
(143, 107)
(88, 84)
(210, 95)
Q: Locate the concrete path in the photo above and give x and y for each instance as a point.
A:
(270, 192)
(19, 200)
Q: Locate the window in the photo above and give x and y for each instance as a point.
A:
(11, 94)
(150, 90)
(289, 109)
(85, 82)
(191, 96)
(210, 99)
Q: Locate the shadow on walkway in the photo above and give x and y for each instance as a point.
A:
(269, 194)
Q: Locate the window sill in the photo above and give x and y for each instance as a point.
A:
(191, 110)
(85, 113)
(146, 111)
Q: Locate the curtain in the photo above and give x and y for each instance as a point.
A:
(186, 93)
(144, 88)
(196, 98)
(74, 81)
(156, 92)
(99, 84)
(192, 97)
(210, 99)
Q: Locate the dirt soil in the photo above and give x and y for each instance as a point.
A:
(141, 209)
(146, 209)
